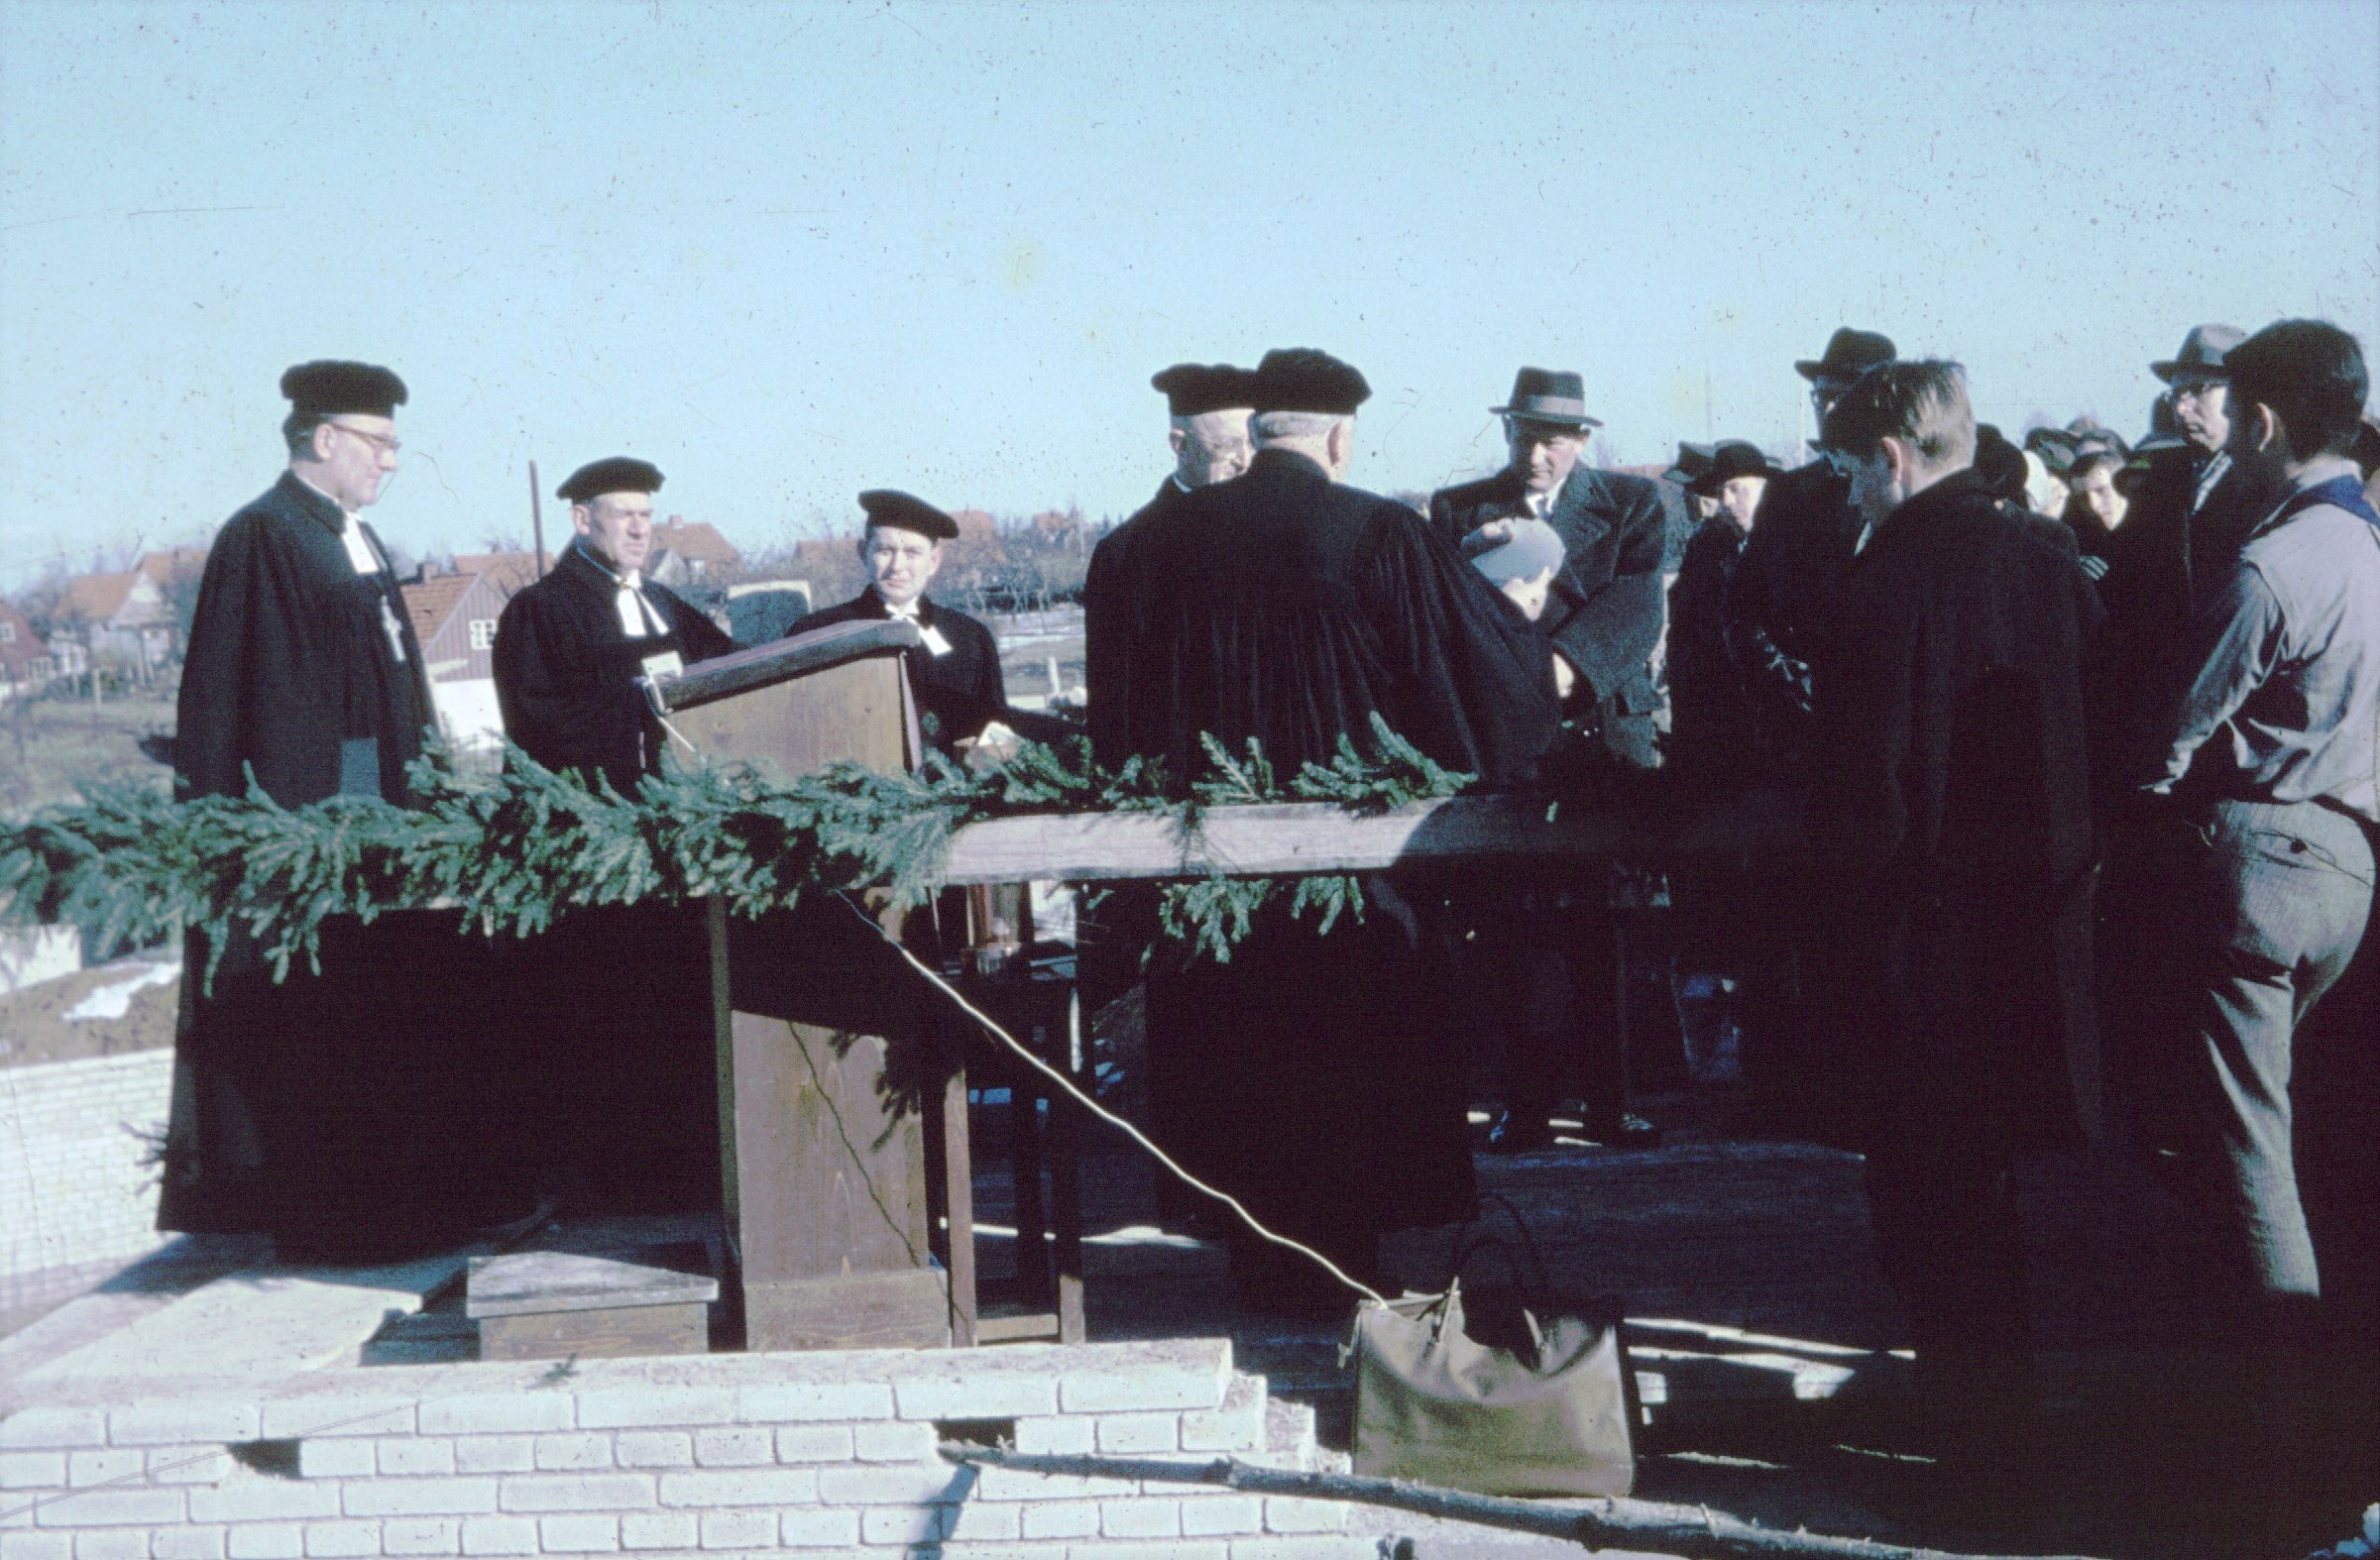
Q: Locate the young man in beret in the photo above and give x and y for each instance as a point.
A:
(956, 671)
(1287, 607)
(570, 648)
(292, 1116)
(1206, 407)
(1601, 624)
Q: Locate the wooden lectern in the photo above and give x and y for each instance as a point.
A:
(829, 1068)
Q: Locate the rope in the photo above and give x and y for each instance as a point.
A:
(993, 1028)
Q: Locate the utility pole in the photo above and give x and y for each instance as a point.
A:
(536, 521)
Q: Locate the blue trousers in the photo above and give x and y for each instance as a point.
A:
(2285, 889)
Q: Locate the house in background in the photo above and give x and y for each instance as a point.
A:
(25, 661)
(123, 617)
(454, 616)
(688, 556)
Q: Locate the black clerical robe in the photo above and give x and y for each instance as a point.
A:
(1287, 608)
(959, 690)
(323, 1103)
(566, 669)
(1112, 628)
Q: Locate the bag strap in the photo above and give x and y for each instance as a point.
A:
(1463, 1247)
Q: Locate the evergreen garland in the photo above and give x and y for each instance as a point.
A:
(135, 869)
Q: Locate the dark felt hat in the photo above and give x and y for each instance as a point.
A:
(334, 387)
(2203, 352)
(1692, 461)
(2055, 446)
(1193, 388)
(902, 512)
(1553, 396)
(612, 474)
(1732, 458)
(1848, 354)
(2000, 465)
(1302, 379)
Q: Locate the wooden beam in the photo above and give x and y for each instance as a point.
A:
(1496, 833)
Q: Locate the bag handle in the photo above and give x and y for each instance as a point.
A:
(1528, 1243)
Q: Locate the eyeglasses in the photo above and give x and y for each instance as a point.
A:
(2198, 389)
(386, 444)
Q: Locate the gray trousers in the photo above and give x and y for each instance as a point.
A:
(2285, 889)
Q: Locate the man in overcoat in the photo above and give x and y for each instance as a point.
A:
(1287, 607)
(570, 648)
(1548, 969)
(1951, 820)
(955, 672)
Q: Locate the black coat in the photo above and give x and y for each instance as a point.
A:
(1604, 613)
(1951, 821)
(291, 668)
(1712, 735)
(566, 670)
(1781, 597)
(1112, 628)
(959, 692)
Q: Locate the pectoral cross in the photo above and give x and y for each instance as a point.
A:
(393, 629)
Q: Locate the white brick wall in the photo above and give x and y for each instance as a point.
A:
(72, 1188)
(686, 1457)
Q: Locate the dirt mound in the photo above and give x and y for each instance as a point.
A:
(35, 1027)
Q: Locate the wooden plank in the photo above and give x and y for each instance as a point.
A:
(616, 1333)
(761, 665)
(1498, 832)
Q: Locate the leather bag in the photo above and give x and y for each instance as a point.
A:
(1544, 1409)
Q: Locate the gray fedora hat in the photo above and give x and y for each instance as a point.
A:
(1552, 395)
(2202, 352)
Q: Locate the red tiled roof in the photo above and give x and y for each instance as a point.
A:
(434, 600)
(96, 598)
(163, 566)
(697, 541)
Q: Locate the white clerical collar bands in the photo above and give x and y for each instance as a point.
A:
(639, 617)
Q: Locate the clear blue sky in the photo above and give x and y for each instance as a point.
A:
(791, 252)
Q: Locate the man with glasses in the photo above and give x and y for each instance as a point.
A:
(299, 1108)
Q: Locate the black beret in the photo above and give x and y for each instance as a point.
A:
(1300, 379)
(1730, 459)
(1193, 388)
(887, 507)
(612, 474)
(329, 388)
(1998, 465)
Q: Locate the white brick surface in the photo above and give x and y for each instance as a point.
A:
(124, 1507)
(1151, 1550)
(906, 1525)
(637, 1407)
(341, 1540)
(893, 1441)
(1147, 1516)
(1311, 1547)
(183, 1419)
(417, 1454)
(740, 1487)
(1060, 1519)
(981, 1521)
(1059, 1436)
(574, 1451)
(578, 1535)
(496, 1413)
(495, 1454)
(1288, 1514)
(36, 1546)
(423, 1535)
(1126, 1389)
(813, 1443)
(889, 1486)
(267, 1541)
(578, 1491)
(799, 1402)
(255, 1498)
(32, 1470)
(739, 1529)
(659, 1530)
(743, 1446)
(421, 1497)
(818, 1530)
(84, 1469)
(71, 1170)
(112, 1543)
(191, 1464)
(1014, 1484)
(984, 1394)
(54, 1427)
(1225, 1514)
(499, 1535)
(187, 1543)
(305, 1418)
(337, 1459)
(1237, 1426)
(1128, 1433)
(652, 1449)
